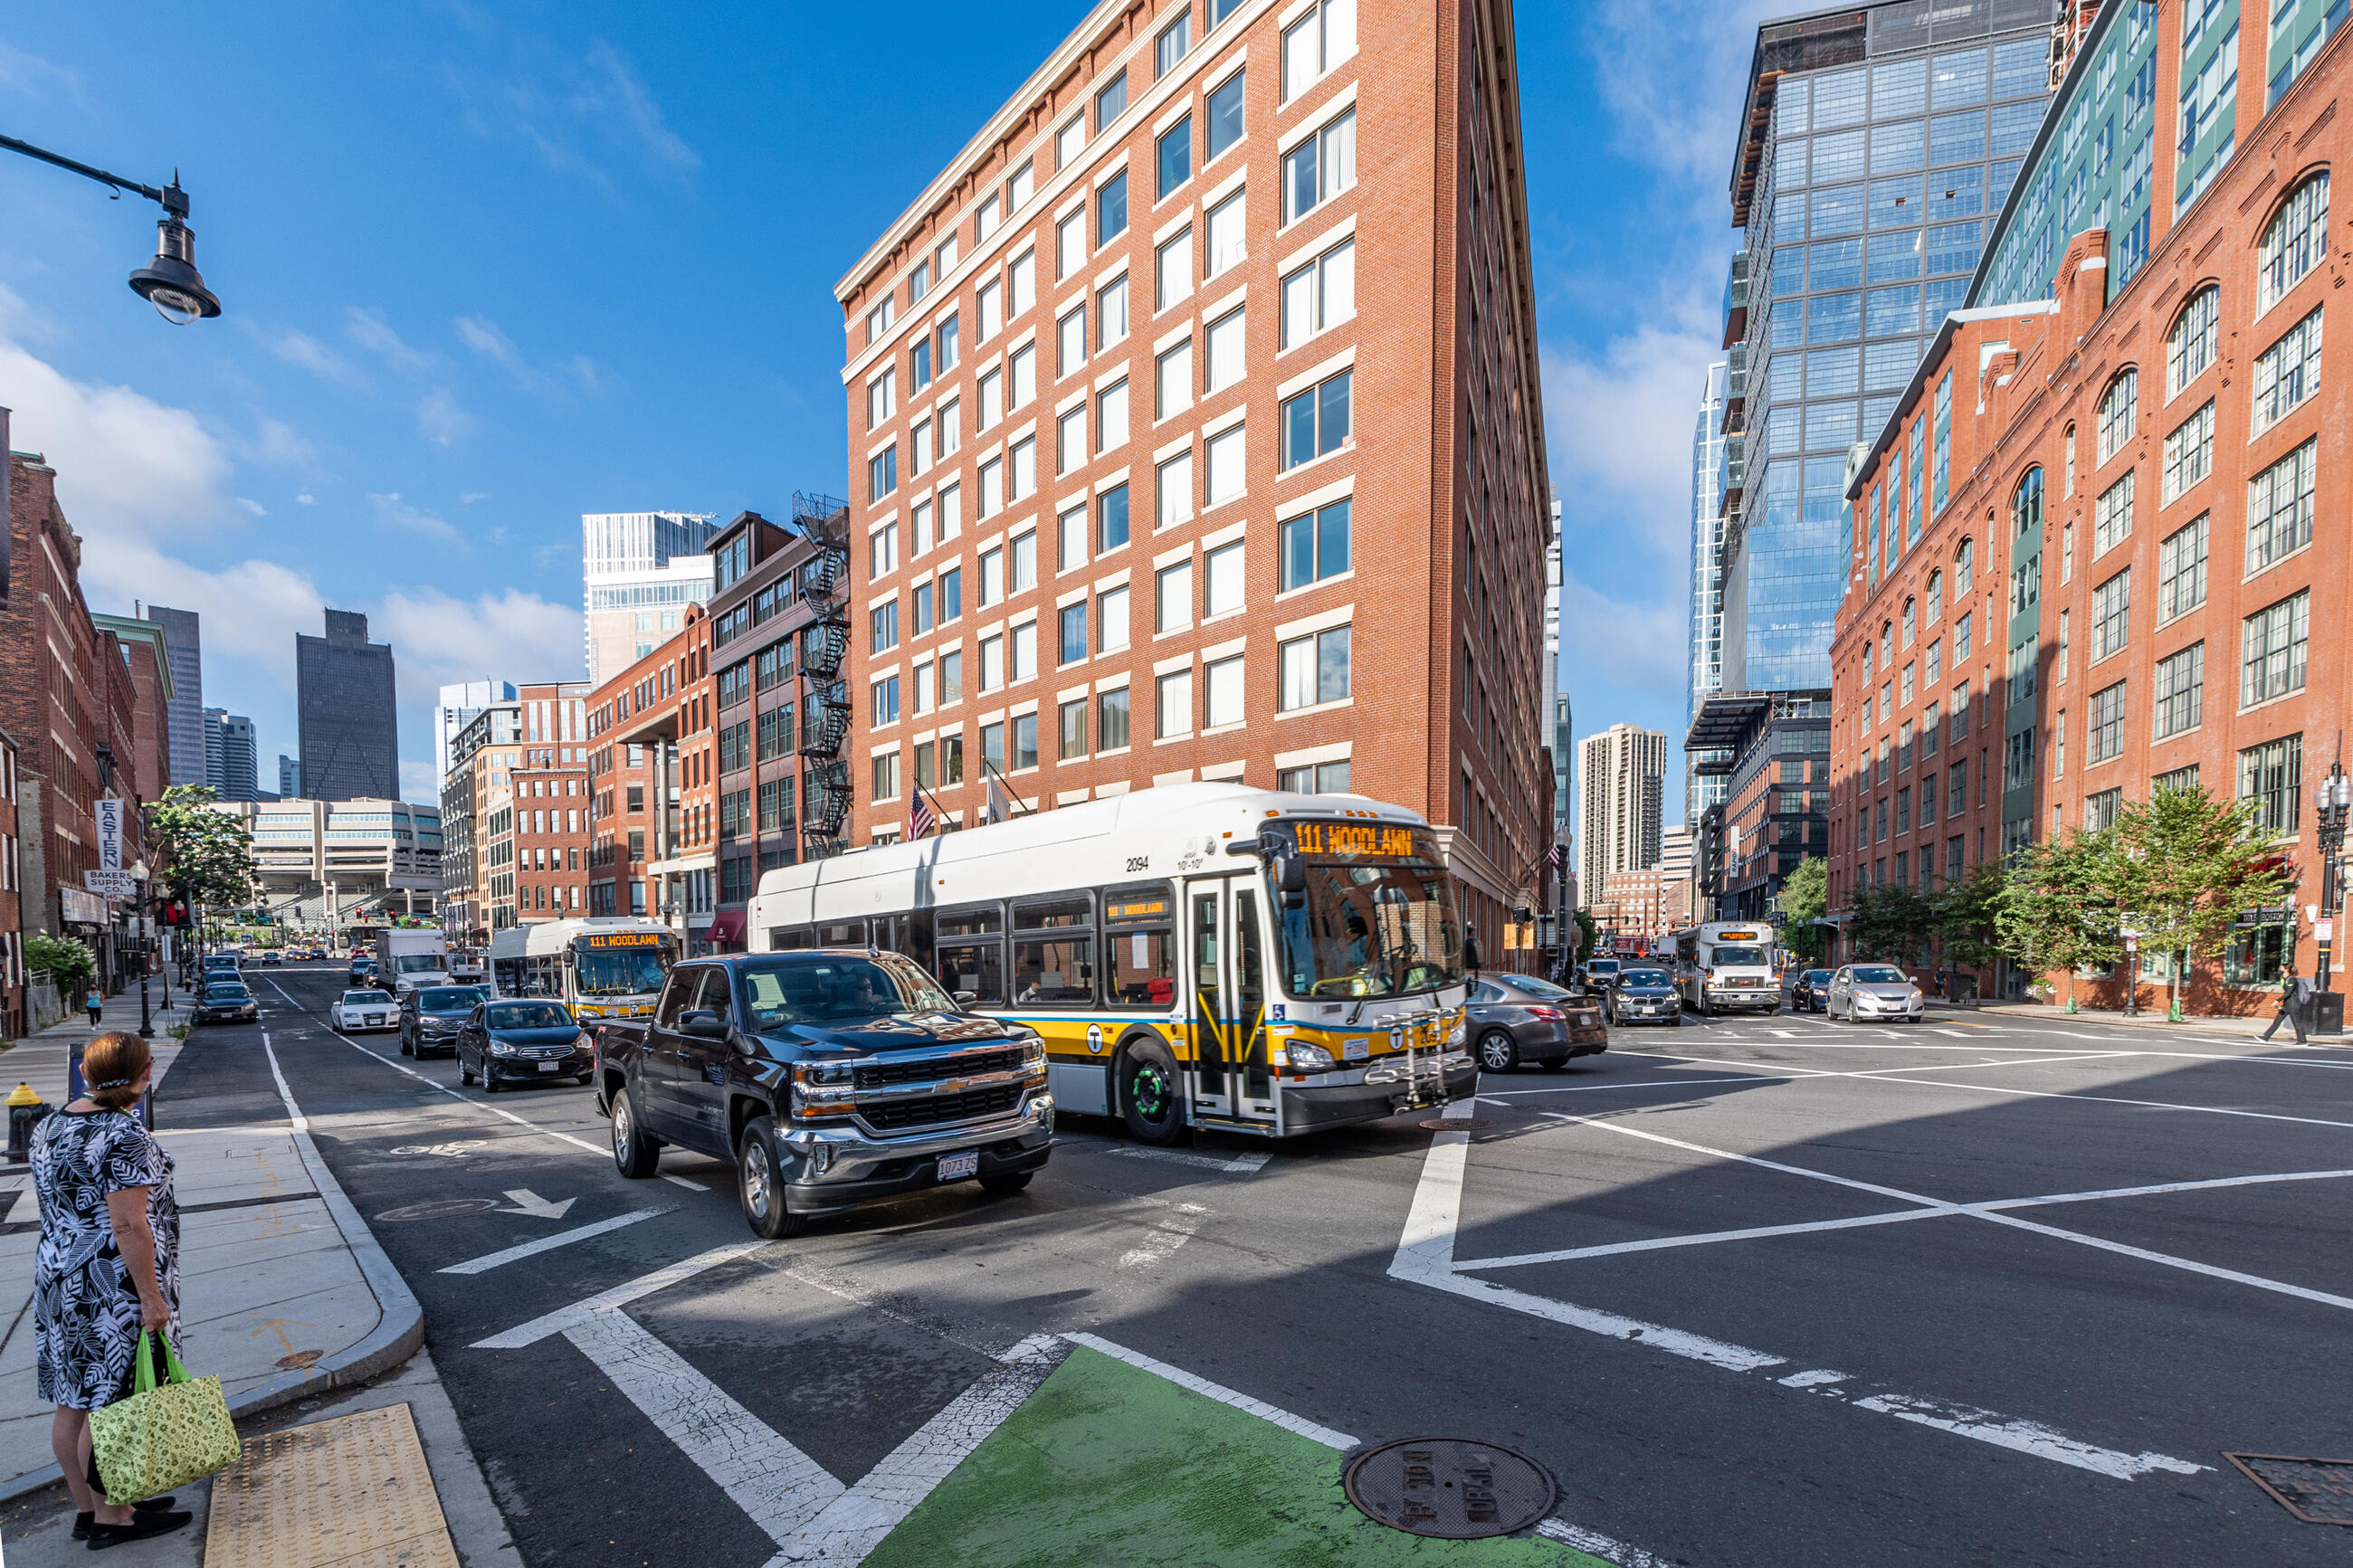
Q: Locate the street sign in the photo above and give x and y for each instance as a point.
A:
(108, 814)
(111, 884)
(2324, 930)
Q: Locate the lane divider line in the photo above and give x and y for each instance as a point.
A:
(1242, 1165)
(490, 1260)
(565, 1317)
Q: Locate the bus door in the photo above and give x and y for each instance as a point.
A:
(1226, 946)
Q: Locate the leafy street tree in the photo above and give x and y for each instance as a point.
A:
(1892, 920)
(1805, 897)
(1962, 916)
(2185, 864)
(204, 857)
(62, 961)
(2056, 909)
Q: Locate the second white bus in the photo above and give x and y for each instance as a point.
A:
(601, 966)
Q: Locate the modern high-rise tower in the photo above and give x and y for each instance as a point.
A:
(348, 710)
(232, 755)
(1622, 781)
(186, 711)
(1705, 675)
(640, 570)
(459, 704)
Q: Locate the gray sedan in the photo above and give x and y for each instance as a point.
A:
(1645, 996)
(1518, 1018)
(1862, 991)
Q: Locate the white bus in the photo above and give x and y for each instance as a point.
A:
(601, 966)
(1728, 964)
(1203, 954)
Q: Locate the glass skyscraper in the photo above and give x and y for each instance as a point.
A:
(1706, 577)
(1876, 147)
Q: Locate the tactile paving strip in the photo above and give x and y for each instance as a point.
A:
(353, 1492)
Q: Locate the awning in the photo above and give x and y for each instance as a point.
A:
(726, 925)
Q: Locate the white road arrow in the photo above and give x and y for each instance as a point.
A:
(525, 1201)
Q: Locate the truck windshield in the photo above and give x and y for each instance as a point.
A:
(419, 964)
(1735, 957)
(1372, 930)
(837, 990)
(619, 970)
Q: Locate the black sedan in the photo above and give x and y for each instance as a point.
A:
(432, 1016)
(1518, 1018)
(1812, 991)
(1645, 996)
(227, 1002)
(516, 1042)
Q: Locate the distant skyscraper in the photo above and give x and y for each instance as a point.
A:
(458, 705)
(347, 705)
(231, 755)
(640, 570)
(290, 777)
(1556, 707)
(1621, 775)
(1707, 672)
(186, 711)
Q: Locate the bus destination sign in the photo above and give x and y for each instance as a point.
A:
(623, 939)
(1359, 843)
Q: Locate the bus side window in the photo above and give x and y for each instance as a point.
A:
(1139, 946)
(1054, 952)
(914, 938)
(971, 956)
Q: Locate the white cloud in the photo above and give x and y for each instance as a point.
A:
(251, 609)
(1670, 73)
(439, 419)
(276, 442)
(368, 329)
(391, 509)
(1632, 652)
(306, 498)
(255, 506)
(302, 350)
(438, 640)
(417, 782)
(127, 467)
(471, 497)
(483, 336)
(1619, 427)
(617, 85)
(578, 112)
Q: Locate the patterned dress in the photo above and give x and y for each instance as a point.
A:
(85, 1309)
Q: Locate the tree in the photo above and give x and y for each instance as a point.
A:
(205, 857)
(2056, 909)
(2185, 865)
(1963, 916)
(1805, 899)
(1891, 920)
(62, 961)
(1587, 935)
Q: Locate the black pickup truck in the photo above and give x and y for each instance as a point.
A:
(828, 1077)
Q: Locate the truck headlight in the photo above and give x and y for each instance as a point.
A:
(1307, 1057)
(825, 1073)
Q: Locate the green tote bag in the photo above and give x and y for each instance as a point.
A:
(154, 1439)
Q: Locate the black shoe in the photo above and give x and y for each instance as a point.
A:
(144, 1505)
(142, 1527)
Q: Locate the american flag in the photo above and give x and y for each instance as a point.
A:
(919, 820)
(1558, 858)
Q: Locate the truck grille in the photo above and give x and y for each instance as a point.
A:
(892, 1114)
(882, 1075)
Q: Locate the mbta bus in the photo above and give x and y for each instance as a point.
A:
(1204, 954)
(1728, 964)
(601, 966)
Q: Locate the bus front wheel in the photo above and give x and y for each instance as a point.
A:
(1150, 1096)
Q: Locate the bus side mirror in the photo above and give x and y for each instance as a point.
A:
(569, 958)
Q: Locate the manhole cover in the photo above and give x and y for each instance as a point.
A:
(301, 1361)
(440, 1208)
(1457, 1124)
(2318, 1491)
(1450, 1487)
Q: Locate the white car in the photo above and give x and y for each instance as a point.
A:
(366, 1009)
(1862, 991)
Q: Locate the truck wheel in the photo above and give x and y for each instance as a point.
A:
(1151, 1096)
(635, 1153)
(760, 1183)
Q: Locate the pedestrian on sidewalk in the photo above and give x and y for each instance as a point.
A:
(92, 1002)
(2295, 999)
(107, 1268)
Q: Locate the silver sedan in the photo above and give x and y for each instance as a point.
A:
(1862, 991)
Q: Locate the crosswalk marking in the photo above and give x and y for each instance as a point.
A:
(548, 1243)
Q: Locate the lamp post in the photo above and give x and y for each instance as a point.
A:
(2331, 799)
(169, 281)
(146, 951)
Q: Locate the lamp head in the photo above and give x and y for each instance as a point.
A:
(171, 282)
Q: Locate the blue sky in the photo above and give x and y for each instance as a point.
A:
(486, 268)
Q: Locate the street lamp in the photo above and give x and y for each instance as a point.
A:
(2331, 799)
(146, 951)
(170, 281)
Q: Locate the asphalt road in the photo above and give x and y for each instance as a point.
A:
(1755, 1291)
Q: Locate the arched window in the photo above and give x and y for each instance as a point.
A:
(1936, 597)
(2026, 504)
(1866, 662)
(2189, 348)
(1964, 562)
(2071, 460)
(2294, 243)
(2119, 410)
(1909, 625)
(1887, 645)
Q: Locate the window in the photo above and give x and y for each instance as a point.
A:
(2188, 452)
(951, 683)
(2287, 373)
(2279, 508)
(881, 399)
(879, 319)
(1173, 381)
(928, 690)
(1021, 284)
(992, 663)
(1964, 569)
(882, 473)
(919, 457)
(2180, 690)
(1111, 519)
(1320, 168)
(1111, 621)
(1070, 722)
(1225, 466)
(1221, 580)
(1022, 186)
(2119, 406)
(2069, 444)
(1317, 42)
(1942, 466)
(2112, 515)
(1314, 669)
(1173, 588)
(1314, 546)
(1069, 141)
(1173, 713)
(2189, 348)
(919, 365)
(1111, 101)
(1323, 778)
(1073, 638)
(991, 396)
(1024, 653)
(1111, 720)
(1025, 561)
(1316, 421)
(1071, 341)
(1172, 272)
(1022, 369)
(2182, 571)
(1176, 156)
(882, 551)
(1110, 209)
(992, 487)
(2271, 650)
(1111, 313)
(885, 696)
(1173, 42)
(1071, 439)
(2294, 244)
(2271, 775)
(991, 214)
(988, 304)
(1320, 294)
(1070, 539)
(1110, 417)
(1222, 694)
(1224, 351)
(951, 594)
(2111, 614)
(951, 423)
(992, 747)
(1225, 125)
(882, 628)
(992, 578)
(1226, 241)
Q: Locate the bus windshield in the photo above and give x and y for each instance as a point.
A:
(1372, 930)
(1732, 957)
(618, 971)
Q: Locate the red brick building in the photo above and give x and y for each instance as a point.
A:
(12, 977)
(653, 784)
(1144, 488)
(2109, 581)
(544, 834)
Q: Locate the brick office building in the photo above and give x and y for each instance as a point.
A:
(2117, 496)
(653, 777)
(545, 836)
(1145, 490)
(483, 756)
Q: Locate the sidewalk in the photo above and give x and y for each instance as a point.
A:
(2151, 1017)
(284, 1294)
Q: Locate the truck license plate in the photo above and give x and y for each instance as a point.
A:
(955, 1167)
(549, 1066)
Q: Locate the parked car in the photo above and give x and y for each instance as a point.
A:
(362, 1008)
(227, 1002)
(1645, 995)
(508, 1042)
(829, 1078)
(1597, 973)
(432, 1016)
(1517, 1019)
(1812, 991)
(1862, 991)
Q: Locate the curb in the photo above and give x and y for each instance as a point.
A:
(2250, 1028)
(398, 1334)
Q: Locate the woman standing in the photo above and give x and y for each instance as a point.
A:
(108, 1267)
(93, 1000)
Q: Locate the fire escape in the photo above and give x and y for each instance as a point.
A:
(824, 703)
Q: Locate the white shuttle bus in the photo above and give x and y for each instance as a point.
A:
(1199, 955)
(1727, 966)
(601, 966)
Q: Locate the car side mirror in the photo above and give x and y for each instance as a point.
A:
(966, 998)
